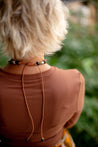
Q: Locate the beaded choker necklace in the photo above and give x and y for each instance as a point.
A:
(12, 61)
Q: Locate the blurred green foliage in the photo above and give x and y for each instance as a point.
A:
(80, 51)
(3, 59)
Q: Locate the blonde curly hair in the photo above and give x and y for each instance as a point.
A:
(31, 27)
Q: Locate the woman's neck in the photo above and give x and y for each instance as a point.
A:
(29, 69)
(34, 59)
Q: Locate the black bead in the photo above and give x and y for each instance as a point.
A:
(42, 139)
(45, 61)
(17, 62)
(11, 61)
(26, 139)
(37, 63)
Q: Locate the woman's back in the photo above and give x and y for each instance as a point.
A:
(64, 97)
(35, 108)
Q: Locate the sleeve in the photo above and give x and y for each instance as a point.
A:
(80, 103)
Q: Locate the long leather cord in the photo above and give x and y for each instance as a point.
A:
(27, 105)
(43, 105)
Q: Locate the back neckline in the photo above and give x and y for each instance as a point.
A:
(30, 76)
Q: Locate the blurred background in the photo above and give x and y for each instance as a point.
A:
(80, 51)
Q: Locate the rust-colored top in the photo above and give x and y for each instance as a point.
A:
(64, 100)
